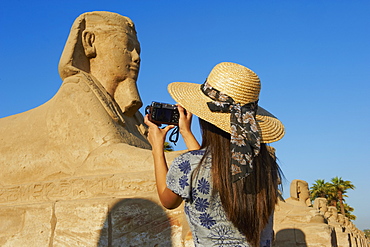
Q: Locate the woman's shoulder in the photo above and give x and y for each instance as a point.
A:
(193, 154)
(200, 152)
(190, 159)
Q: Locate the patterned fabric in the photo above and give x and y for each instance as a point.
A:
(245, 139)
(203, 208)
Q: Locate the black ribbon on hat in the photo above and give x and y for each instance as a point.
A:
(245, 140)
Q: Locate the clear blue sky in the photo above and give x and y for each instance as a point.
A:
(313, 58)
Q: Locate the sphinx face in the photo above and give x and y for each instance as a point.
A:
(127, 62)
(125, 56)
(116, 66)
(117, 58)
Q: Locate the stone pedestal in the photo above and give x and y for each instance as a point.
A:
(115, 206)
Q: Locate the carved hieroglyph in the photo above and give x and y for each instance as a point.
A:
(78, 170)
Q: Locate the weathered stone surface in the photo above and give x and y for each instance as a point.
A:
(138, 222)
(26, 225)
(80, 223)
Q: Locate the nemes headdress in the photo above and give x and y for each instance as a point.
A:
(229, 100)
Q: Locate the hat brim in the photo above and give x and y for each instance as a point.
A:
(190, 96)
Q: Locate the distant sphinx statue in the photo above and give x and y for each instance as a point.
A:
(333, 214)
(299, 193)
(341, 219)
(321, 204)
(297, 224)
(95, 108)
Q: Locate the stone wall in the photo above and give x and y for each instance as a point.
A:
(120, 209)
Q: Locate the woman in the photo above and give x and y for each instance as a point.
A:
(230, 182)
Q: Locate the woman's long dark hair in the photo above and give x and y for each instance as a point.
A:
(249, 202)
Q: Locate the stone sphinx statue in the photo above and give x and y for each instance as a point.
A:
(296, 223)
(299, 193)
(321, 204)
(333, 215)
(95, 108)
(341, 219)
(78, 169)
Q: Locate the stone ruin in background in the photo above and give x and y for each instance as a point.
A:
(298, 223)
(78, 170)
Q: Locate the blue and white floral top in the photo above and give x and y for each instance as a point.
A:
(204, 211)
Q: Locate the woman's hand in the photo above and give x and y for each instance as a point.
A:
(185, 120)
(156, 135)
(185, 129)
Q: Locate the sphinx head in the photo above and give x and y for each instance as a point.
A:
(105, 45)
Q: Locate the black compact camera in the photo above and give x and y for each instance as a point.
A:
(162, 113)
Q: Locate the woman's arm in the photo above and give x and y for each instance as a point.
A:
(185, 129)
(156, 137)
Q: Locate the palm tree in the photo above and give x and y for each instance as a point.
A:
(348, 210)
(319, 189)
(340, 187)
(332, 196)
(367, 233)
(168, 147)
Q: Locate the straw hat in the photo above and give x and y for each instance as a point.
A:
(239, 83)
